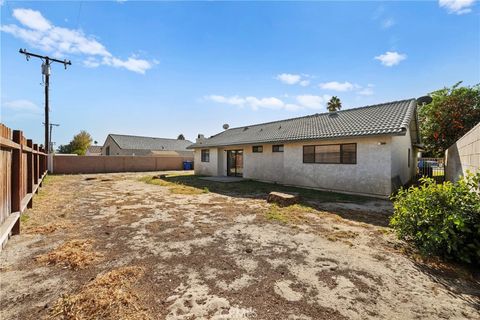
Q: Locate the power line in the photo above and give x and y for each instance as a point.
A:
(46, 72)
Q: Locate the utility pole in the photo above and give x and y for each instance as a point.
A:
(50, 145)
(46, 72)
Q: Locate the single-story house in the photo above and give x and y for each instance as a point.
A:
(370, 150)
(126, 145)
(94, 151)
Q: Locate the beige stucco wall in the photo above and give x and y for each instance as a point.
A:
(371, 175)
(463, 155)
(401, 171)
(206, 168)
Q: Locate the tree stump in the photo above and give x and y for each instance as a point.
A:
(283, 199)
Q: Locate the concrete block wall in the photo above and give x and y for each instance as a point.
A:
(463, 155)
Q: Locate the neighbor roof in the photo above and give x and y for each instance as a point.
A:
(391, 118)
(149, 143)
(95, 149)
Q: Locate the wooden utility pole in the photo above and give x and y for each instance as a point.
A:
(46, 72)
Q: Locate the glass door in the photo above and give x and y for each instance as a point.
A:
(235, 163)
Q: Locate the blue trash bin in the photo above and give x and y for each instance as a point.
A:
(187, 165)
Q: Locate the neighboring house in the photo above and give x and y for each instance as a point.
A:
(94, 151)
(126, 145)
(370, 150)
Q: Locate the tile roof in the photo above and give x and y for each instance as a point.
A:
(391, 118)
(95, 149)
(149, 143)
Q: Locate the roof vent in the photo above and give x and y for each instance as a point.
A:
(245, 129)
(225, 126)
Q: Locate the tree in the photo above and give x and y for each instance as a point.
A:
(334, 104)
(78, 145)
(451, 114)
(181, 137)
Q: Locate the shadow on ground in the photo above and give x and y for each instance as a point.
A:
(451, 276)
(308, 197)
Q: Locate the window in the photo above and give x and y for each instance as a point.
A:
(205, 155)
(257, 149)
(107, 150)
(277, 148)
(331, 153)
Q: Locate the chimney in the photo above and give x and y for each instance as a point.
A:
(200, 138)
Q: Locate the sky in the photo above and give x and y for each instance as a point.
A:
(164, 68)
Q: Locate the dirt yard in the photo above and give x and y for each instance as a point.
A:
(124, 246)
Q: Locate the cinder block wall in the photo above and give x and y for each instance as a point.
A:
(464, 155)
(104, 164)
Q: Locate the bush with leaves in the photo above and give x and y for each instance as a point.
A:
(441, 219)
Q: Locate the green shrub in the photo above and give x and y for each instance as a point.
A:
(441, 219)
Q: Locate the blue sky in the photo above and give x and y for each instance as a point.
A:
(164, 68)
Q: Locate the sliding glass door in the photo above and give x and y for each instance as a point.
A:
(235, 163)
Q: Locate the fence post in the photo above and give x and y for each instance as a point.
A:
(30, 171)
(16, 176)
(35, 164)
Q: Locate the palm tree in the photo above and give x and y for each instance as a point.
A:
(334, 104)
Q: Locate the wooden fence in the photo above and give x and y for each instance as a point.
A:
(23, 165)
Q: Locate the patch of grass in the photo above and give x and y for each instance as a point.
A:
(108, 296)
(250, 188)
(291, 214)
(342, 235)
(24, 218)
(174, 187)
(75, 254)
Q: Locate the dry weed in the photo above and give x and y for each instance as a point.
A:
(74, 254)
(108, 296)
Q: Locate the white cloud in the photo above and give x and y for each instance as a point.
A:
(338, 86)
(388, 23)
(253, 102)
(39, 33)
(32, 19)
(289, 78)
(312, 101)
(365, 92)
(391, 58)
(23, 106)
(132, 64)
(457, 6)
(304, 83)
(234, 100)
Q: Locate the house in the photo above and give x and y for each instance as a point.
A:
(370, 150)
(127, 145)
(94, 151)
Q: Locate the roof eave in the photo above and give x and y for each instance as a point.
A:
(402, 132)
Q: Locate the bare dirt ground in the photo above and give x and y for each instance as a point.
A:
(110, 246)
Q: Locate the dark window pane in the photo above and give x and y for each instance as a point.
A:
(277, 148)
(349, 153)
(257, 149)
(205, 155)
(309, 154)
(327, 154)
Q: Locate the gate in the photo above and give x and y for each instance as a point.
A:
(431, 167)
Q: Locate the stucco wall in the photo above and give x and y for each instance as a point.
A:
(206, 168)
(401, 171)
(463, 155)
(371, 175)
